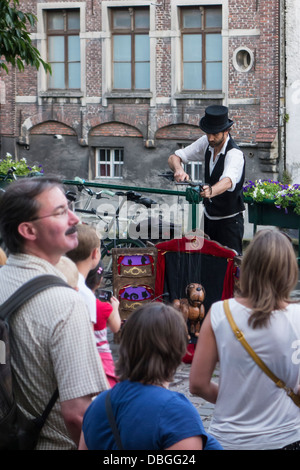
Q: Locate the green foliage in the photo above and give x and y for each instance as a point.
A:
(286, 177)
(15, 42)
(283, 195)
(22, 168)
(289, 197)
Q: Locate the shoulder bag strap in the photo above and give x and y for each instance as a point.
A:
(112, 421)
(16, 300)
(26, 291)
(240, 336)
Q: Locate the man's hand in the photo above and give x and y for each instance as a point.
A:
(219, 188)
(180, 175)
(206, 191)
(175, 165)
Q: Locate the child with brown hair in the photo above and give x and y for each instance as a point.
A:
(86, 257)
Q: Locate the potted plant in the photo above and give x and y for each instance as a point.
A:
(20, 168)
(273, 203)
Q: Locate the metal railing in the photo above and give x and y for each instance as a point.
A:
(190, 194)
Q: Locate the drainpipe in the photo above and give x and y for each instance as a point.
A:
(282, 86)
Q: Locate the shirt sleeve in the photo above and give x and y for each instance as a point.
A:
(233, 167)
(179, 420)
(193, 152)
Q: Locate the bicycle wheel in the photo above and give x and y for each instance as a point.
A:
(106, 256)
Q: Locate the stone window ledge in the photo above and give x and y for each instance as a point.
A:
(199, 96)
(128, 94)
(61, 94)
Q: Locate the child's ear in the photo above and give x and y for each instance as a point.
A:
(95, 253)
(95, 257)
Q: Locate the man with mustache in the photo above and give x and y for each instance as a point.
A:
(224, 177)
(53, 344)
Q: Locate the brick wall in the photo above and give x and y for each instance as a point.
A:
(114, 129)
(252, 96)
(52, 128)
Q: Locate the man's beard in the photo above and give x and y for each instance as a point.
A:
(214, 143)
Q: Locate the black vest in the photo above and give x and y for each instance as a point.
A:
(230, 202)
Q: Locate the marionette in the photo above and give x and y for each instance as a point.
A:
(192, 308)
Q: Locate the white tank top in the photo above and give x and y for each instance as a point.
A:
(251, 412)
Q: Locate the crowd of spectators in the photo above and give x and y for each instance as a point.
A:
(59, 340)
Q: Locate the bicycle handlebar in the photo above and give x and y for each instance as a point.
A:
(130, 195)
(11, 173)
(137, 197)
(109, 193)
(81, 186)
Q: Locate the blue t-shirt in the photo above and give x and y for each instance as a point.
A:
(148, 417)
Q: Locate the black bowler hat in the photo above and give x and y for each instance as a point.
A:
(215, 120)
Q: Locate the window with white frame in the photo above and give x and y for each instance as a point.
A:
(109, 162)
(194, 170)
(130, 48)
(201, 45)
(63, 49)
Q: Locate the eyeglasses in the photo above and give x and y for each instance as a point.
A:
(61, 212)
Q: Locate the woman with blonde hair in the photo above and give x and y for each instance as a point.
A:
(251, 411)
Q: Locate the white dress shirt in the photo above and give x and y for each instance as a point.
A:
(233, 164)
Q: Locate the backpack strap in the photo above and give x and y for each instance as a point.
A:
(40, 420)
(16, 300)
(26, 291)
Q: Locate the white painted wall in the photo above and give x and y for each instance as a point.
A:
(293, 88)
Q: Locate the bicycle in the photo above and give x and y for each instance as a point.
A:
(110, 221)
(10, 175)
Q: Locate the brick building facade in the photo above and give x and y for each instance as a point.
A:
(133, 93)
